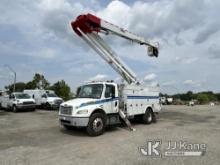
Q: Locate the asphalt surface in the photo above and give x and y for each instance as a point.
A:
(32, 138)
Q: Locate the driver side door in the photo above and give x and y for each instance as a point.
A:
(10, 100)
(110, 103)
(43, 99)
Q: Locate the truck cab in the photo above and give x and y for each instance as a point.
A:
(96, 97)
(50, 100)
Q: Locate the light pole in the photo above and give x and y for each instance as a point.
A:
(10, 68)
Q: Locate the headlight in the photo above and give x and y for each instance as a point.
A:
(18, 102)
(51, 102)
(84, 111)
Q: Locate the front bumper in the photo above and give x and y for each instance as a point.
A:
(55, 106)
(29, 106)
(74, 121)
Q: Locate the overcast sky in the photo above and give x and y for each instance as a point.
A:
(35, 36)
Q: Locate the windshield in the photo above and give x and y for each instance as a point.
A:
(51, 95)
(91, 91)
(22, 96)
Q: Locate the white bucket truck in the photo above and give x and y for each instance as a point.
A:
(99, 104)
(18, 101)
(45, 98)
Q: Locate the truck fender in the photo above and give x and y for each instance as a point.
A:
(148, 107)
(99, 110)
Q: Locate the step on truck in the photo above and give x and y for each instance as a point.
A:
(99, 104)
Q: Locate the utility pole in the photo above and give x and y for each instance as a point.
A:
(10, 68)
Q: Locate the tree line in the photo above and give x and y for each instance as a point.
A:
(61, 88)
(202, 97)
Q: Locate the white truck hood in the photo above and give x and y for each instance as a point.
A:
(49, 99)
(78, 101)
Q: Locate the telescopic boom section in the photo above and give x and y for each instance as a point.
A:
(88, 26)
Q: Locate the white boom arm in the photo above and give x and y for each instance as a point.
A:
(88, 26)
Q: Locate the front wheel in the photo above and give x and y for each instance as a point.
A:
(47, 106)
(14, 109)
(96, 125)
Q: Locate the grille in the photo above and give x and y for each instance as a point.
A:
(58, 102)
(28, 102)
(66, 110)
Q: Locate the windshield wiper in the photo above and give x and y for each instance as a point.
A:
(84, 97)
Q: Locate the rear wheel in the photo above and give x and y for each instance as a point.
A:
(149, 116)
(14, 109)
(96, 125)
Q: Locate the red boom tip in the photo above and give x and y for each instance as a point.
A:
(86, 23)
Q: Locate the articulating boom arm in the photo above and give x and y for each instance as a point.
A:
(88, 26)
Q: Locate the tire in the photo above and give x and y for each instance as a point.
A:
(14, 109)
(96, 125)
(149, 116)
(47, 106)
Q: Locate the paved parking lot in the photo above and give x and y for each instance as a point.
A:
(36, 138)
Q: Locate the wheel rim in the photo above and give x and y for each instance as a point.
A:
(149, 117)
(97, 124)
(14, 109)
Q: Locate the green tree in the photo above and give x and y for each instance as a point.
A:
(203, 98)
(189, 95)
(62, 90)
(217, 96)
(19, 87)
(38, 81)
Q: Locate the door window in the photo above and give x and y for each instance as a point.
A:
(44, 96)
(109, 91)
